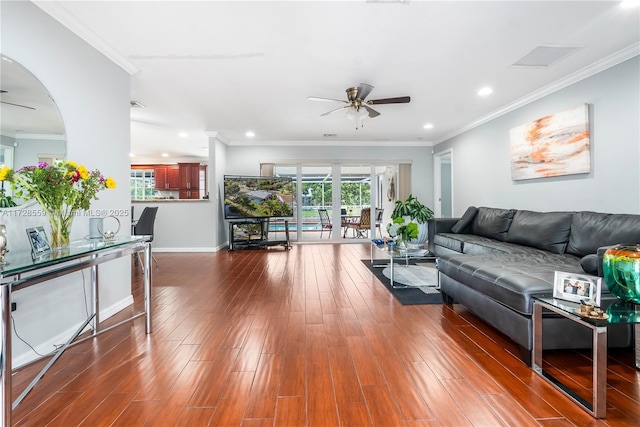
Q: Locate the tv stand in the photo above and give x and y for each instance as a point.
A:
(255, 234)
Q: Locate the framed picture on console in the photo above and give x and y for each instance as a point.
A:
(577, 287)
(38, 240)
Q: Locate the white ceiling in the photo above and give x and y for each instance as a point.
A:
(230, 67)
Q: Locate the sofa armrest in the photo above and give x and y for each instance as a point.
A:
(439, 225)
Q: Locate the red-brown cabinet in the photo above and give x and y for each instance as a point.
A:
(166, 177)
(192, 180)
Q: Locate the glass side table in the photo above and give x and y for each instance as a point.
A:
(619, 313)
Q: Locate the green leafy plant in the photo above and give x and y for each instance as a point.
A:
(412, 208)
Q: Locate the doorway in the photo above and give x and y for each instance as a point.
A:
(443, 183)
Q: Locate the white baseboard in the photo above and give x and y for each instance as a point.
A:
(203, 249)
(29, 356)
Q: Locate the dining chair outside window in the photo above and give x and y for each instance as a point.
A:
(145, 227)
(362, 225)
(325, 222)
(379, 214)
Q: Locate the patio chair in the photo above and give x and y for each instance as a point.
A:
(379, 213)
(362, 225)
(325, 222)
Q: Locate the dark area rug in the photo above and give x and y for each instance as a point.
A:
(410, 294)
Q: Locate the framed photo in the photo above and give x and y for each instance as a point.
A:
(38, 241)
(577, 287)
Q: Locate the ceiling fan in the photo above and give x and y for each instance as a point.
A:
(11, 103)
(356, 105)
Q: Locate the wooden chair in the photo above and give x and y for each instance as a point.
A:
(362, 225)
(325, 222)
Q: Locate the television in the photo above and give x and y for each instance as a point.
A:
(255, 197)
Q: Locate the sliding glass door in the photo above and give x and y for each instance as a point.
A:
(335, 202)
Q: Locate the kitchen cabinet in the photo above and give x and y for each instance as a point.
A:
(166, 177)
(192, 180)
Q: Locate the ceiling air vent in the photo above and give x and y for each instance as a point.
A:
(330, 135)
(544, 56)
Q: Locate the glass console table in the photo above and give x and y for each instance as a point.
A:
(22, 271)
(618, 312)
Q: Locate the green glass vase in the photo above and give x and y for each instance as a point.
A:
(621, 267)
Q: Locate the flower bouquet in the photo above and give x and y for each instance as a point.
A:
(402, 232)
(61, 190)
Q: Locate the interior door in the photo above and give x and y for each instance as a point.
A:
(443, 183)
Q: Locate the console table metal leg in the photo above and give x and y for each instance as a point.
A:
(5, 363)
(95, 303)
(147, 287)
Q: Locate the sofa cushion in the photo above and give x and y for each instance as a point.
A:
(449, 241)
(465, 220)
(589, 264)
(591, 230)
(510, 279)
(492, 222)
(548, 231)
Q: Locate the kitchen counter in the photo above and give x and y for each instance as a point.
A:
(170, 200)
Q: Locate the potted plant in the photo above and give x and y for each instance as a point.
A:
(415, 211)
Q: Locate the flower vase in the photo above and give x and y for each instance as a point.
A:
(621, 268)
(401, 244)
(60, 228)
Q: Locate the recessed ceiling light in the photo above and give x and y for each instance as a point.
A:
(250, 134)
(627, 4)
(131, 155)
(428, 126)
(485, 91)
(165, 155)
(183, 135)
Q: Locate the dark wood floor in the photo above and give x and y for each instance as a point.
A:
(306, 337)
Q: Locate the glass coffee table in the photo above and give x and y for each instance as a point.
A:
(617, 312)
(392, 256)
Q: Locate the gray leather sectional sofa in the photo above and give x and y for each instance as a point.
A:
(494, 261)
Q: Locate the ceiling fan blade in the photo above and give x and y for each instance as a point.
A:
(398, 100)
(17, 105)
(337, 109)
(372, 113)
(316, 98)
(364, 90)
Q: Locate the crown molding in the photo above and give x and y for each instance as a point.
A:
(591, 70)
(58, 12)
(335, 143)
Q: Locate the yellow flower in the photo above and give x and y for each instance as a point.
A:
(84, 173)
(4, 173)
(72, 164)
(110, 183)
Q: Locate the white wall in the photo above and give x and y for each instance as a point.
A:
(182, 226)
(481, 168)
(92, 95)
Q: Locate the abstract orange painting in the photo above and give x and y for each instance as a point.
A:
(552, 145)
